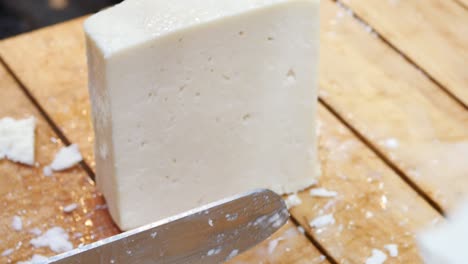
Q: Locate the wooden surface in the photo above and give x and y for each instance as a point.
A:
(432, 33)
(39, 200)
(387, 98)
(393, 144)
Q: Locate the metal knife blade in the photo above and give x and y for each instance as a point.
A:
(210, 234)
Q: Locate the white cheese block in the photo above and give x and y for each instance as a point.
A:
(448, 242)
(196, 100)
(17, 139)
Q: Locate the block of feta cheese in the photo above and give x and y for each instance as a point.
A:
(448, 242)
(196, 100)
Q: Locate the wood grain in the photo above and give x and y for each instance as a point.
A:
(39, 200)
(373, 207)
(55, 72)
(433, 33)
(397, 108)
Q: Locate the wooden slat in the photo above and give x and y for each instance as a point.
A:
(39, 200)
(386, 98)
(60, 87)
(287, 246)
(52, 63)
(433, 33)
(463, 3)
(373, 208)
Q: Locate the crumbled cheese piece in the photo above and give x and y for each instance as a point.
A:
(35, 231)
(214, 251)
(391, 143)
(55, 238)
(47, 171)
(66, 158)
(233, 253)
(7, 252)
(301, 229)
(70, 208)
(322, 221)
(210, 222)
(377, 257)
(293, 200)
(17, 140)
(17, 223)
(392, 249)
(273, 244)
(36, 259)
(322, 192)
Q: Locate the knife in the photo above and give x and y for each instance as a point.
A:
(212, 233)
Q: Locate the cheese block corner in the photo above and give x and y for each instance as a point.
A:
(196, 100)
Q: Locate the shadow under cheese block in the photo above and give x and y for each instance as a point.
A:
(196, 100)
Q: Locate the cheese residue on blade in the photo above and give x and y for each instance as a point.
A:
(55, 238)
(377, 257)
(66, 158)
(17, 139)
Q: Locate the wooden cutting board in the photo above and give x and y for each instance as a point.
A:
(393, 134)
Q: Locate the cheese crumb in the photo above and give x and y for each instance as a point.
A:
(36, 259)
(47, 171)
(210, 222)
(17, 223)
(322, 221)
(293, 200)
(55, 238)
(17, 140)
(214, 251)
(66, 158)
(392, 249)
(391, 143)
(301, 229)
(35, 231)
(377, 257)
(322, 192)
(273, 244)
(70, 208)
(7, 252)
(233, 253)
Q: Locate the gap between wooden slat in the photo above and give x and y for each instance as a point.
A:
(382, 156)
(44, 114)
(313, 241)
(406, 57)
(462, 4)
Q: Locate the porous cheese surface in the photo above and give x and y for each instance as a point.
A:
(196, 100)
(447, 243)
(17, 139)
